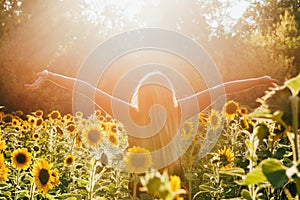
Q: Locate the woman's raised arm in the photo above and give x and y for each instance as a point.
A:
(204, 100)
(102, 98)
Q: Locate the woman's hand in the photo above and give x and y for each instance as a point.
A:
(42, 76)
(268, 81)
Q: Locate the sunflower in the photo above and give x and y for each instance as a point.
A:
(247, 123)
(1, 159)
(108, 118)
(113, 127)
(55, 176)
(262, 131)
(101, 118)
(231, 108)
(69, 160)
(215, 119)
(25, 127)
(187, 130)
(2, 145)
(92, 135)
(112, 138)
(38, 113)
(59, 131)
(78, 139)
(174, 183)
(243, 110)
(71, 128)
(137, 160)
(226, 157)
(68, 117)
(21, 159)
(39, 121)
(78, 114)
(104, 125)
(202, 117)
(175, 187)
(32, 120)
(19, 113)
(3, 173)
(7, 118)
(42, 175)
(15, 122)
(54, 115)
(3, 170)
(35, 136)
(98, 114)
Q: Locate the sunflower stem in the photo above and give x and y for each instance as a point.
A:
(190, 189)
(134, 185)
(32, 189)
(295, 107)
(17, 184)
(295, 101)
(73, 143)
(50, 142)
(91, 187)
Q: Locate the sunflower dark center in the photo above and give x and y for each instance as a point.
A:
(138, 160)
(44, 176)
(21, 158)
(71, 128)
(231, 108)
(39, 122)
(69, 160)
(113, 129)
(224, 159)
(54, 115)
(38, 113)
(94, 136)
(214, 120)
(59, 131)
(112, 139)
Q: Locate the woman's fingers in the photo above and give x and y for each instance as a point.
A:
(31, 86)
(35, 84)
(41, 77)
(271, 82)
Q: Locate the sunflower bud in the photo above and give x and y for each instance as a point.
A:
(262, 131)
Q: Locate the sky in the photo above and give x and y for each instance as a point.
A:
(239, 8)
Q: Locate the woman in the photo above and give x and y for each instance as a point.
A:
(165, 124)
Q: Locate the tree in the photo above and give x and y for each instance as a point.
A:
(261, 15)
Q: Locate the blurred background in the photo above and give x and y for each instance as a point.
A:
(245, 39)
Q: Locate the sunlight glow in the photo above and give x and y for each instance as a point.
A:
(95, 8)
(238, 9)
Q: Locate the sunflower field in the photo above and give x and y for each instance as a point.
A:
(54, 156)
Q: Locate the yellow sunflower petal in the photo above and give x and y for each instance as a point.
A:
(92, 136)
(215, 120)
(21, 159)
(231, 108)
(42, 175)
(137, 160)
(69, 160)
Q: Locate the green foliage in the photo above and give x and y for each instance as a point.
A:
(294, 85)
(264, 156)
(275, 172)
(254, 177)
(83, 178)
